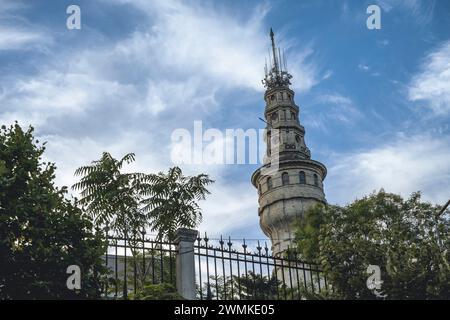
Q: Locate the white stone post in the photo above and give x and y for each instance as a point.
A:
(185, 265)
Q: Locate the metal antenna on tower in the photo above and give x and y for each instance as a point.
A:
(270, 60)
(265, 66)
(285, 62)
(272, 37)
(279, 58)
(276, 75)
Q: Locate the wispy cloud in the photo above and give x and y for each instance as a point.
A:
(14, 39)
(328, 108)
(16, 32)
(404, 165)
(432, 84)
(363, 67)
(421, 10)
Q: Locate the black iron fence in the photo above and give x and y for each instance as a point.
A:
(135, 263)
(227, 272)
(223, 270)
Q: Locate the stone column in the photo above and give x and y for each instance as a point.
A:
(185, 265)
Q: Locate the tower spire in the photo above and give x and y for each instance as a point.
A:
(277, 75)
(274, 51)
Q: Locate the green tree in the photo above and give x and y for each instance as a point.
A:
(256, 287)
(130, 202)
(250, 286)
(408, 239)
(171, 201)
(111, 196)
(162, 291)
(153, 267)
(41, 232)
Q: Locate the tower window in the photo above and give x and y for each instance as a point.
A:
(285, 178)
(316, 180)
(269, 183)
(302, 177)
(274, 116)
(293, 115)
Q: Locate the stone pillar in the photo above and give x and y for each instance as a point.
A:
(185, 265)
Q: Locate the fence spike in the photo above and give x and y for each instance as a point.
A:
(229, 242)
(243, 244)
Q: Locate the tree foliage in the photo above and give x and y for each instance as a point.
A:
(41, 232)
(408, 239)
(247, 286)
(145, 268)
(171, 200)
(111, 196)
(130, 202)
(161, 291)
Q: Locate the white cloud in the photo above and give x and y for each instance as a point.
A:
(179, 63)
(420, 10)
(214, 43)
(230, 207)
(16, 32)
(363, 67)
(404, 165)
(388, 5)
(334, 99)
(15, 39)
(56, 93)
(70, 153)
(331, 107)
(432, 84)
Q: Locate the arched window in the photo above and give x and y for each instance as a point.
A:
(293, 115)
(269, 183)
(285, 178)
(316, 180)
(302, 177)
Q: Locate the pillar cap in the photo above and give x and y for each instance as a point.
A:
(185, 234)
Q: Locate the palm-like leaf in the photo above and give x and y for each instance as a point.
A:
(170, 200)
(129, 202)
(110, 196)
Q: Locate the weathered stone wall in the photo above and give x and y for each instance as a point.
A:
(283, 205)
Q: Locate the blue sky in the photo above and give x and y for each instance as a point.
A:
(375, 103)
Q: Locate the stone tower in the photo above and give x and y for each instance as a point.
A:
(289, 182)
